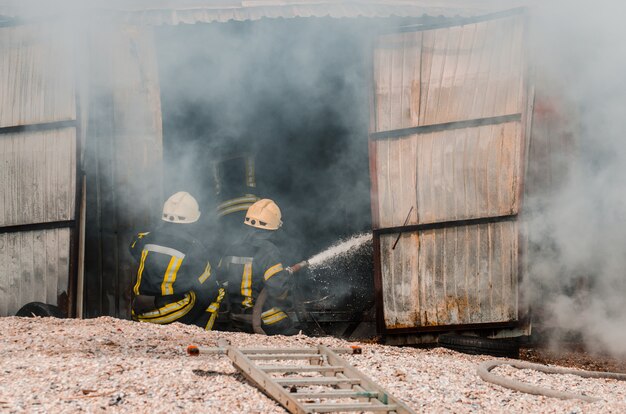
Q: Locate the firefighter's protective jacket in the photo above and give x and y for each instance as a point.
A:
(173, 267)
(248, 267)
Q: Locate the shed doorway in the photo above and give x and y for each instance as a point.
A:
(292, 98)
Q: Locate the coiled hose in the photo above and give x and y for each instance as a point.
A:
(484, 371)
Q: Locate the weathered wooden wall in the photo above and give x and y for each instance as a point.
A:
(37, 166)
(449, 175)
(449, 74)
(447, 160)
(451, 276)
(38, 176)
(36, 75)
(35, 267)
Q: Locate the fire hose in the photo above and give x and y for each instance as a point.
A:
(260, 301)
(484, 371)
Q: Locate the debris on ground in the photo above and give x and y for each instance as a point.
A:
(114, 365)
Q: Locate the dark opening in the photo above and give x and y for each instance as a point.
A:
(295, 95)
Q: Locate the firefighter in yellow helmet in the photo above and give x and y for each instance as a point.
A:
(253, 264)
(175, 281)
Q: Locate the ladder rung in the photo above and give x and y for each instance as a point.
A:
(344, 350)
(317, 381)
(249, 351)
(301, 368)
(336, 394)
(331, 408)
(283, 356)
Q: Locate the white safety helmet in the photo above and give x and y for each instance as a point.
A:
(264, 214)
(181, 208)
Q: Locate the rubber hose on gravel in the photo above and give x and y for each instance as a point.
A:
(484, 371)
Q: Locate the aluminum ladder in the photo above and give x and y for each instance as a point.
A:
(332, 378)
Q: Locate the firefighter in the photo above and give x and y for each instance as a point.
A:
(174, 280)
(253, 264)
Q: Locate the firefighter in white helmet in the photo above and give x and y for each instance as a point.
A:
(175, 280)
(253, 264)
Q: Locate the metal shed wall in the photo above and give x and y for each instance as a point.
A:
(38, 172)
(446, 156)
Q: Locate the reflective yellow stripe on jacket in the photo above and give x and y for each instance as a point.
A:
(246, 285)
(170, 312)
(170, 276)
(214, 308)
(272, 316)
(176, 259)
(206, 274)
(273, 270)
(142, 263)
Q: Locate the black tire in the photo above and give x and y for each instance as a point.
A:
(40, 309)
(506, 348)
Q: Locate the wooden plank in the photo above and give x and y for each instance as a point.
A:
(412, 77)
(26, 264)
(36, 75)
(63, 257)
(13, 272)
(396, 83)
(52, 265)
(382, 80)
(428, 272)
(39, 266)
(445, 90)
(401, 283)
(4, 276)
(461, 80)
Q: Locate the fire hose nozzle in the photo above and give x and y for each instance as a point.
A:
(297, 267)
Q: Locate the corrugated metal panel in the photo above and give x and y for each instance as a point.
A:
(35, 267)
(38, 176)
(153, 12)
(36, 76)
(461, 275)
(462, 181)
(449, 175)
(451, 74)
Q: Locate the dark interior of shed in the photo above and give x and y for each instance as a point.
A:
(295, 94)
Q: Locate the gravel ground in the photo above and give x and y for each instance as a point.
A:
(106, 364)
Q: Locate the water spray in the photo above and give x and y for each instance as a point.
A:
(330, 253)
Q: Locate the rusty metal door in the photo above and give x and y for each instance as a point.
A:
(447, 149)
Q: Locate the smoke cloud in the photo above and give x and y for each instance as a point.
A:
(577, 232)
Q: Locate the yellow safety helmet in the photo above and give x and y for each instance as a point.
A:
(264, 214)
(181, 208)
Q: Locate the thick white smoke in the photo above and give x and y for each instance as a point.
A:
(578, 264)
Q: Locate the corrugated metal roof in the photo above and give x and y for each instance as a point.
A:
(172, 12)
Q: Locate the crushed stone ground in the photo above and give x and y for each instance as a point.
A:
(109, 365)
